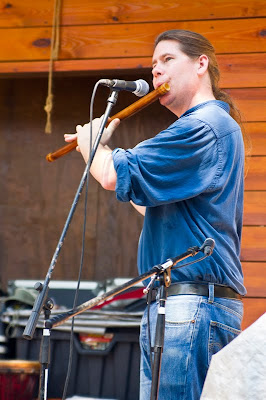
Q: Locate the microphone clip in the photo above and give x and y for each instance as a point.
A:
(207, 247)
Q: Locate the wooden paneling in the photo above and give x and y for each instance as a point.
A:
(251, 102)
(254, 243)
(255, 278)
(253, 309)
(82, 12)
(127, 40)
(125, 34)
(242, 70)
(257, 135)
(255, 208)
(255, 179)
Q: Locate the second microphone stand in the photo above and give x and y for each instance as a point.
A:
(161, 271)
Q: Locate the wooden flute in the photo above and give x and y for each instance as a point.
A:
(127, 112)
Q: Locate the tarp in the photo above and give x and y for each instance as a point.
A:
(238, 371)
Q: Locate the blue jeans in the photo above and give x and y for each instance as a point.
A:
(196, 328)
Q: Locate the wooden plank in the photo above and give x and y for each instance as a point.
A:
(253, 309)
(82, 12)
(253, 243)
(256, 176)
(237, 70)
(127, 40)
(242, 70)
(257, 134)
(89, 66)
(255, 278)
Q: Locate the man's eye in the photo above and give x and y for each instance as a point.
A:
(168, 59)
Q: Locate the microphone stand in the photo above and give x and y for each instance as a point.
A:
(43, 289)
(44, 356)
(165, 281)
(161, 270)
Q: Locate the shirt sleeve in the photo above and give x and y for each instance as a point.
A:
(178, 163)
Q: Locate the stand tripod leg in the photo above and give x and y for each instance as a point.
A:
(158, 344)
(44, 361)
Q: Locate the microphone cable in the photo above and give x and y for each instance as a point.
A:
(71, 347)
(191, 262)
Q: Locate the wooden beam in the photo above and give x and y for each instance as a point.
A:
(237, 70)
(80, 12)
(88, 67)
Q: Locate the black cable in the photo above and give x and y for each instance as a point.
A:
(191, 262)
(70, 359)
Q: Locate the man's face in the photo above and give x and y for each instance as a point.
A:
(171, 65)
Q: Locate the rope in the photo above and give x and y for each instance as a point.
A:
(53, 56)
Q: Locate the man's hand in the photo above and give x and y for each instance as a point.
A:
(83, 134)
(102, 167)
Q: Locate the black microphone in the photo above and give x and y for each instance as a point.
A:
(207, 246)
(139, 87)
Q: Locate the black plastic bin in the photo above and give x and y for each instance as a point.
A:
(109, 373)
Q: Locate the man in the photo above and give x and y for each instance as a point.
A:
(188, 180)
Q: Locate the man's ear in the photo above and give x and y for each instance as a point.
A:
(203, 63)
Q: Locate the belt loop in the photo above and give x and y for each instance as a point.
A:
(211, 293)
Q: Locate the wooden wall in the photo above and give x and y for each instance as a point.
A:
(107, 39)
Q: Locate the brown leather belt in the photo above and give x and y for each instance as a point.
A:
(199, 289)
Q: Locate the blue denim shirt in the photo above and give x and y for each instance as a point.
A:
(190, 178)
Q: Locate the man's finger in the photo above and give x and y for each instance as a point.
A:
(113, 125)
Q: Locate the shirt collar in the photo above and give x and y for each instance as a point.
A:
(219, 103)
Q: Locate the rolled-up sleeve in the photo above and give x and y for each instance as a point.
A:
(178, 163)
(123, 185)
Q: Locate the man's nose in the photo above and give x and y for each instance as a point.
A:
(157, 71)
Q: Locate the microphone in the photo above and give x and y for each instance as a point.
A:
(207, 246)
(139, 87)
